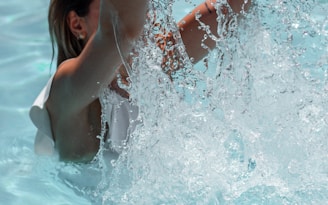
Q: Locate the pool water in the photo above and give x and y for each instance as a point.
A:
(250, 126)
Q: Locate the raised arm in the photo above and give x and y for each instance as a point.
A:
(73, 103)
(79, 80)
(192, 35)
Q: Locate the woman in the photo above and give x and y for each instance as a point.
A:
(68, 111)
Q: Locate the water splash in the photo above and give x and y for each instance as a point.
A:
(251, 127)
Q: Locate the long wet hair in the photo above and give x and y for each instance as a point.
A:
(68, 45)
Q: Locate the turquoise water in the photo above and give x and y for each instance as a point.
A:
(251, 127)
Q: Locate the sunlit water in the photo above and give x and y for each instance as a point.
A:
(249, 126)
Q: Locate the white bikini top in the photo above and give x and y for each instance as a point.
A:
(118, 112)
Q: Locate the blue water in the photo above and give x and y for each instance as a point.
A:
(251, 127)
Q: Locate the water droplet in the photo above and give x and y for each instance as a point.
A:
(251, 164)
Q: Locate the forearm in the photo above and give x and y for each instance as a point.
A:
(193, 37)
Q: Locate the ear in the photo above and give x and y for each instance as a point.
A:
(77, 25)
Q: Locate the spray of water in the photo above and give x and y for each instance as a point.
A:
(248, 127)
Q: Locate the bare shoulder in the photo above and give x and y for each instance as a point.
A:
(66, 67)
(61, 91)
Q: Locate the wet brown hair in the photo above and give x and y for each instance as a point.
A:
(68, 46)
